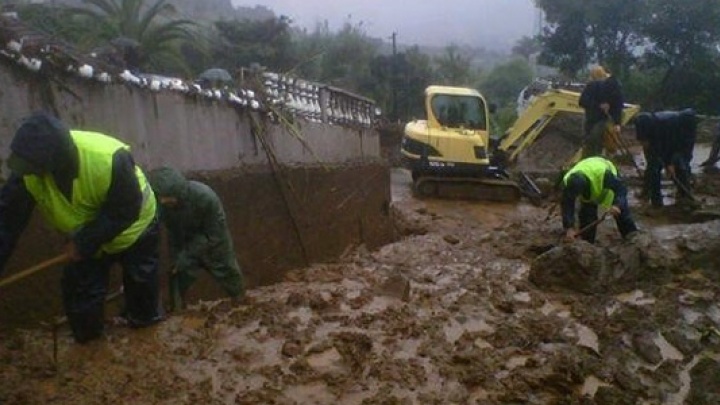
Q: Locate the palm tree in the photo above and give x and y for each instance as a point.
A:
(158, 35)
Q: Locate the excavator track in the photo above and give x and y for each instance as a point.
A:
(468, 188)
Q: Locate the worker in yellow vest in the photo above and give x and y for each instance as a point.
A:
(87, 186)
(595, 182)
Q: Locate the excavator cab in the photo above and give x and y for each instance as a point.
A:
(448, 152)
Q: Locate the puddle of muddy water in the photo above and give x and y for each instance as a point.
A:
(667, 351)
(587, 338)
(516, 361)
(558, 309)
(329, 361)
(591, 385)
(454, 329)
(636, 298)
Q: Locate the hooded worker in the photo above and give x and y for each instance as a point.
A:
(87, 186)
(198, 234)
(603, 103)
(595, 182)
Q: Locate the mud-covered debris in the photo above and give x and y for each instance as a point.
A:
(396, 285)
(705, 382)
(410, 223)
(645, 347)
(590, 269)
(355, 348)
(292, 348)
(451, 239)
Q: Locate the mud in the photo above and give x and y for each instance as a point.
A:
(446, 314)
(279, 220)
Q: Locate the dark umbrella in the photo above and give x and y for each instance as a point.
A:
(216, 75)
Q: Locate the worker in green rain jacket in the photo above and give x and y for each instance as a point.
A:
(595, 182)
(198, 234)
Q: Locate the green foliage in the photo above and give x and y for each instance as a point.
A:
(454, 68)
(56, 21)
(669, 41)
(503, 84)
(527, 46)
(242, 43)
(641, 87)
(152, 26)
(503, 118)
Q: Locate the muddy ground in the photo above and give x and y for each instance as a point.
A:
(445, 315)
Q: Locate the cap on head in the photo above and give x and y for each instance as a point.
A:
(598, 73)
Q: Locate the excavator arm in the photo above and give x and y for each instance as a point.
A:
(539, 113)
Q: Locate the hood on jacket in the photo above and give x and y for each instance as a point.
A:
(644, 125)
(688, 120)
(168, 182)
(42, 144)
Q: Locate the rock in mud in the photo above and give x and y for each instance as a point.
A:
(705, 383)
(590, 269)
(396, 285)
(646, 348)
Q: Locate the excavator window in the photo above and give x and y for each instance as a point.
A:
(459, 111)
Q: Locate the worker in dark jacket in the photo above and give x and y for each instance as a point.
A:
(595, 182)
(88, 186)
(603, 103)
(669, 141)
(714, 155)
(198, 234)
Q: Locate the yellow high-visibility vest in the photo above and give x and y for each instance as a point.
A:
(89, 191)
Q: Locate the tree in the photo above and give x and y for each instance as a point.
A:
(503, 84)
(408, 73)
(267, 42)
(453, 67)
(682, 39)
(526, 47)
(158, 34)
(584, 31)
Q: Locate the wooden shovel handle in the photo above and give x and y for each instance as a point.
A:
(63, 258)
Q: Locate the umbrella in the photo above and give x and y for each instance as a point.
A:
(216, 75)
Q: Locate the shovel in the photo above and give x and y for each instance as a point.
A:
(545, 248)
(683, 187)
(63, 258)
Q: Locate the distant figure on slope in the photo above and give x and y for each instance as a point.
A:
(603, 103)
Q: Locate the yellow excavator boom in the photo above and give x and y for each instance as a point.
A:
(541, 110)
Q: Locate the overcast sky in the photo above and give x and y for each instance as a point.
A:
(425, 22)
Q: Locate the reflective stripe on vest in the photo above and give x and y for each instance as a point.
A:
(594, 170)
(89, 191)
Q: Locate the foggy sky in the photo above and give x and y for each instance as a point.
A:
(492, 23)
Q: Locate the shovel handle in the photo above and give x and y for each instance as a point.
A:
(60, 259)
(593, 224)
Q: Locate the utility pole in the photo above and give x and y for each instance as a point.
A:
(393, 82)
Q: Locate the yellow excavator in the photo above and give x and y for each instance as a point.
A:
(450, 153)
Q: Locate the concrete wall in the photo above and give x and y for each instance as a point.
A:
(171, 128)
(308, 204)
